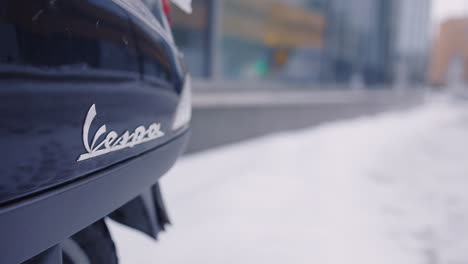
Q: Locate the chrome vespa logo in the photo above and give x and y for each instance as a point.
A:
(112, 141)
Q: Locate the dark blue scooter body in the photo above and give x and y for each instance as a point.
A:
(59, 59)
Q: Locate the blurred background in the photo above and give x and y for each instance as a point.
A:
(346, 58)
(323, 131)
(308, 43)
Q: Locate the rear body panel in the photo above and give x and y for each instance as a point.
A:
(89, 91)
(60, 58)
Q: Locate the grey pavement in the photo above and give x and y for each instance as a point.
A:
(228, 116)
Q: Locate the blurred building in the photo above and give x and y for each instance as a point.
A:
(302, 42)
(252, 39)
(266, 40)
(360, 41)
(412, 40)
(450, 51)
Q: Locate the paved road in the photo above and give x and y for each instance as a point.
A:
(221, 118)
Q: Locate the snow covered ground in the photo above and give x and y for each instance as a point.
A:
(391, 188)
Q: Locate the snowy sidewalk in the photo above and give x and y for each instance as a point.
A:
(386, 189)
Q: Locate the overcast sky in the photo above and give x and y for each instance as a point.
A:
(442, 9)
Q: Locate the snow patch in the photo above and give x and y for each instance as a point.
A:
(384, 189)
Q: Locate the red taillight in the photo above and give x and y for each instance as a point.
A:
(167, 10)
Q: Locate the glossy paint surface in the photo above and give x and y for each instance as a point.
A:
(57, 59)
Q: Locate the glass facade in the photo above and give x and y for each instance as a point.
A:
(266, 40)
(304, 42)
